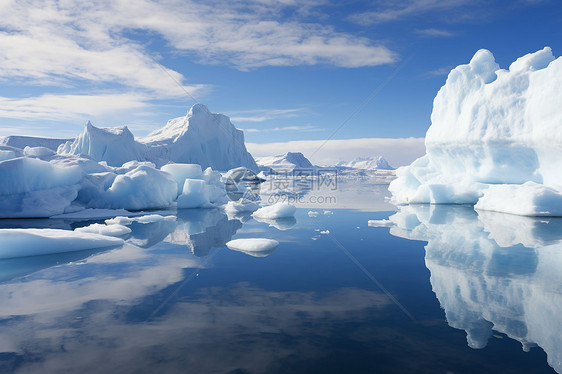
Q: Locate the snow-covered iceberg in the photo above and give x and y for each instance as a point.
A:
(367, 163)
(285, 163)
(491, 126)
(201, 137)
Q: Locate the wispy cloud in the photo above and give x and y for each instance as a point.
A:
(397, 152)
(261, 115)
(444, 70)
(434, 33)
(306, 128)
(91, 46)
(68, 107)
(395, 10)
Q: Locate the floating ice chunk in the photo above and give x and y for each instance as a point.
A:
(312, 213)
(91, 214)
(124, 221)
(181, 172)
(257, 247)
(528, 199)
(141, 188)
(111, 230)
(325, 232)
(237, 207)
(194, 195)
(283, 223)
(151, 218)
(279, 210)
(380, 223)
(34, 242)
(328, 212)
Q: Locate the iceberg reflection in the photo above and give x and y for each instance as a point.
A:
(493, 271)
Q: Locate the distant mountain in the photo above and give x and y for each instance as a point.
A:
(284, 163)
(32, 141)
(367, 163)
(200, 137)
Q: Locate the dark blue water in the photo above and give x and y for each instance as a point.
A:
(445, 290)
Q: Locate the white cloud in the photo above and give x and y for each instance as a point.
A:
(434, 33)
(397, 152)
(395, 10)
(68, 107)
(444, 70)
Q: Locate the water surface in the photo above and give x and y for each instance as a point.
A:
(443, 290)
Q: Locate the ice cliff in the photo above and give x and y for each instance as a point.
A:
(493, 127)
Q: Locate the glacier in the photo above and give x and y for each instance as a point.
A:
(492, 131)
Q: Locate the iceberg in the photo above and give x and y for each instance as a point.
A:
(257, 247)
(367, 163)
(35, 242)
(114, 145)
(492, 127)
(285, 163)
(107, 230)
(275, 211)
(201, 137)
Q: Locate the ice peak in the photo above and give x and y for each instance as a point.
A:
(533, 61)
(484, 64)
(197, 109)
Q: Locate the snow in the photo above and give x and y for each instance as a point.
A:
(492, 127)
(279, 210)
(287, 162)
(107, 230)
(367, 163)
(34, 242)
(528, 199)
(257, 247)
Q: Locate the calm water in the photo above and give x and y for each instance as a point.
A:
(445, 290)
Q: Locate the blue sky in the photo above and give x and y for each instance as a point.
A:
(284, 70)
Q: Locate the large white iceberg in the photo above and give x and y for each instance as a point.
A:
(201, 137)
(490, 126)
